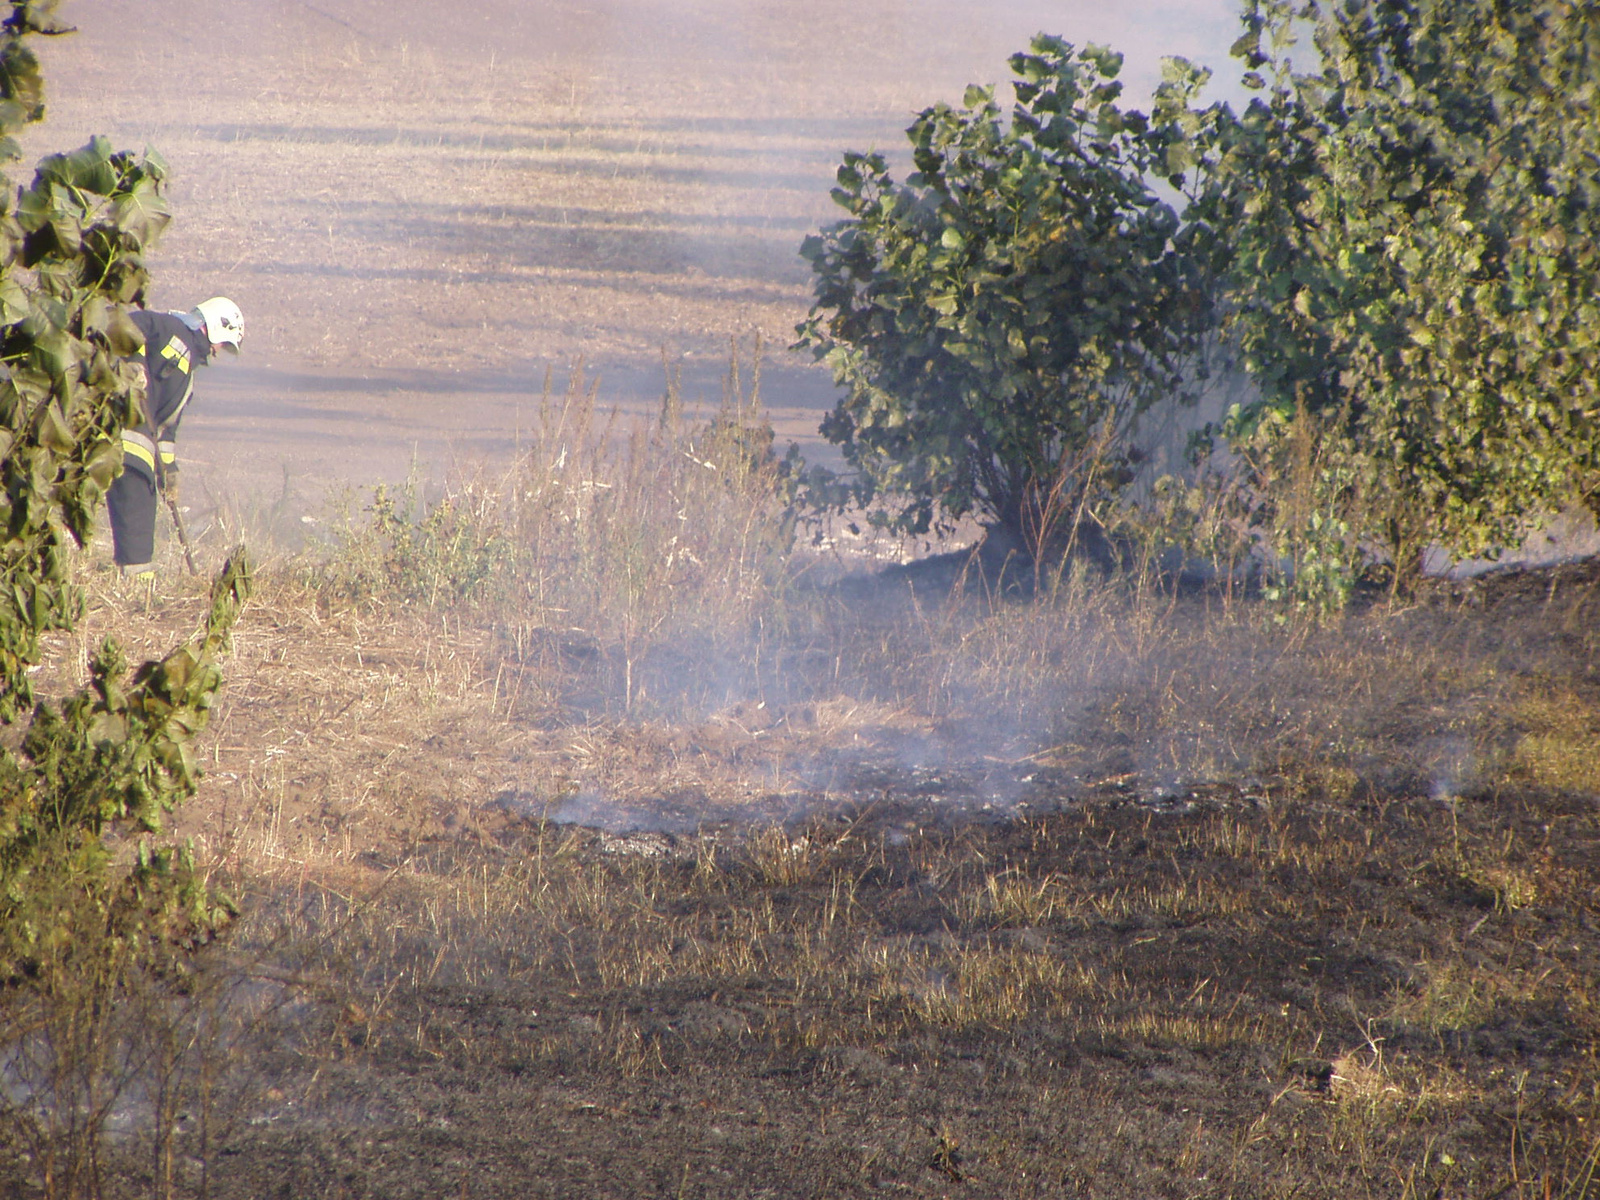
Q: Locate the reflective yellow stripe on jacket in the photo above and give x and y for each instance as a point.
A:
(177, 350)
(141, 448)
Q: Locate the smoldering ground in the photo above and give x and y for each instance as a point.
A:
(1217, 930)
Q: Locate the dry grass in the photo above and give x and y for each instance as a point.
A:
(1116, 891)
(854, 953)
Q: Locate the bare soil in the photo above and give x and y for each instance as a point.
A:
(423, 215)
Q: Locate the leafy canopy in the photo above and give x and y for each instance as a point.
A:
(1414, 231)
(1000, 320)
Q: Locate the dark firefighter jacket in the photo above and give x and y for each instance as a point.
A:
(172, 352)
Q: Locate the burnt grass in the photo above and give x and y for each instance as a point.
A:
(1334, 977)
(1282, 998)
(1244, 1029)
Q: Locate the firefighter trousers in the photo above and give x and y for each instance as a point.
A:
(132, 500)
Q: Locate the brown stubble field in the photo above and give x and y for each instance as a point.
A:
(418, 238)
(595, 842)
(422, 215)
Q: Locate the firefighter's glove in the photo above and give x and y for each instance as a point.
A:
(169, 489)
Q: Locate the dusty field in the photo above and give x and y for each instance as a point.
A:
(1097, 895)
(421, 216)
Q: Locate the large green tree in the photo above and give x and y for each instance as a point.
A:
(1413, 221)
(1000, 319)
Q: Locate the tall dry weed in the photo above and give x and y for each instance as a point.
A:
(647, 549)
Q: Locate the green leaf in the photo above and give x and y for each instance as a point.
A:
(55, 433)
(125, 338)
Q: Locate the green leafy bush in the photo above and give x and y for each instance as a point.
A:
(1002, 318)
(91, 908)
(1400, 244)
(71, 253)
(115, 755)
(1414, 262)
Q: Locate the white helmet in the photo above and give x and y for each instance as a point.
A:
(223, 322)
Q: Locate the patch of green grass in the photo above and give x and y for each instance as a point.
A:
(1558, 743)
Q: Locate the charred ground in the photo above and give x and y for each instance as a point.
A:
(1262, 909)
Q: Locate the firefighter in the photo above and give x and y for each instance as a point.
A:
(175, 345)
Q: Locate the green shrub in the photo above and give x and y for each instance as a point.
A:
(1413, 235)
(1001, 319)
(1399, 243)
